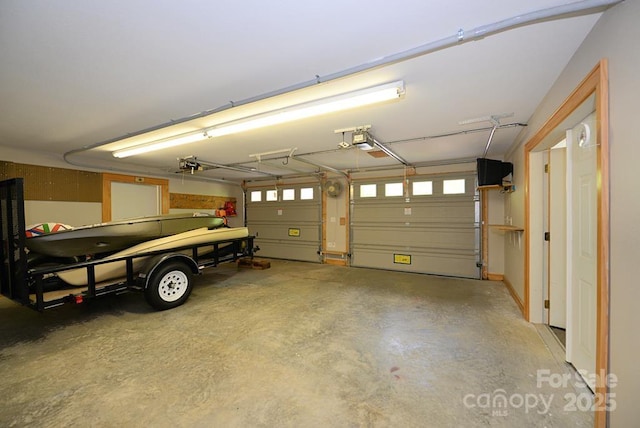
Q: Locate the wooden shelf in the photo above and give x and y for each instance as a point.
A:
(506, 227)
(514, 233)
(504, 188)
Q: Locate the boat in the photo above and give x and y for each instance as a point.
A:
(108, 271)
(117, 235)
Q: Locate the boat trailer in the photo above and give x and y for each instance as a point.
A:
(165, 278)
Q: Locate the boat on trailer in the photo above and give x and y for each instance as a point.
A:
(117, 235)
(181, 242)
(164, 276)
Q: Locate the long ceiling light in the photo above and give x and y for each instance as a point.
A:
(319, 107)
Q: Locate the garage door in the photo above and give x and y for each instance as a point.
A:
(286, 221)
(426, 224)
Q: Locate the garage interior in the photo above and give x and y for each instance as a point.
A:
(442, 213)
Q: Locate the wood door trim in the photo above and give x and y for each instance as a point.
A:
(596, 83)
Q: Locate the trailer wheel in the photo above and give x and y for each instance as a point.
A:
(170, 286)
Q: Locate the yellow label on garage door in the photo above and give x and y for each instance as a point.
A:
(402, 259)
(294, 232)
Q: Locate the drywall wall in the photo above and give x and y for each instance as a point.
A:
(71, 213)
(615, 37)
(514, 208)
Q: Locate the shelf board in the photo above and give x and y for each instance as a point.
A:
(507, 188)
(507, 227)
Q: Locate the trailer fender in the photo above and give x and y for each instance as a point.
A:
(152, 265)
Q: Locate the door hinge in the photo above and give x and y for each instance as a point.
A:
(546, 304)
(547, 236)
(546, 168)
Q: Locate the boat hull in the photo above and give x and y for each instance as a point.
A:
(118, 235)
(108, 271)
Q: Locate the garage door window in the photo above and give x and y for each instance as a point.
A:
(272, 195)
(256, 196)
(422, 188)
(368, 190)
(288, 194)
(393, 189)
(453, 187)
(306, 193)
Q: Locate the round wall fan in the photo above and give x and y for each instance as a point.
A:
(333, 188)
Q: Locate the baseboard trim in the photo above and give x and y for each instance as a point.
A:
(514, 295)
(495, 276)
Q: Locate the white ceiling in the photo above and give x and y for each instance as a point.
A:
(75, 74)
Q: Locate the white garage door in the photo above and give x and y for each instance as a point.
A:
(426, 224)
(286, 221)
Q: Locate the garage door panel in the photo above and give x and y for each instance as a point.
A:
(436, 233)
(461, 211)
(293, 233)
(284, 213)
(460, 239)
(289, 250)
(286, 228)
(386, 249)
(437, 262)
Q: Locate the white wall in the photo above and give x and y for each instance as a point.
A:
(12, 154)
(616, 37)
(70, 213)
(514, 207)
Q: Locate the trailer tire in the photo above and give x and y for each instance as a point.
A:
(170, 286)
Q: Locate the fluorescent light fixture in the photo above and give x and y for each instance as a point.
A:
(161, 144)
(319, 107)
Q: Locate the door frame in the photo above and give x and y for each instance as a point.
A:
(596, 83)
(108, 178)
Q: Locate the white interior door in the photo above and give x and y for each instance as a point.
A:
(581, 332)
(134, 200)
(558, 242)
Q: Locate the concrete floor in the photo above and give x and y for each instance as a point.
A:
(295, 345)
